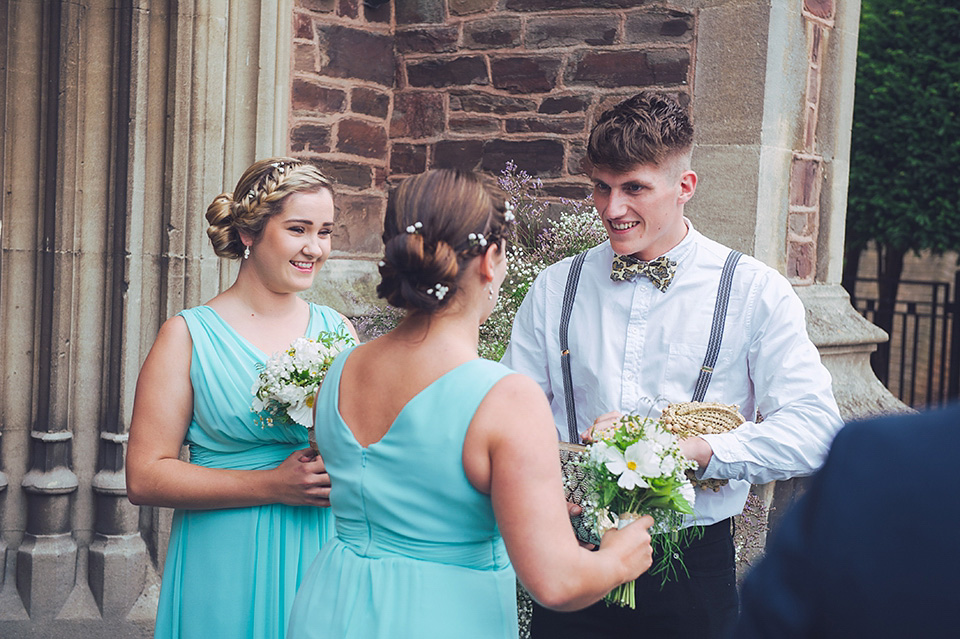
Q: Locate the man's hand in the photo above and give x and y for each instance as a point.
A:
(697, 449)
(607, 421)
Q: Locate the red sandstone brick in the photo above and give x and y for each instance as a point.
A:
(567, 30)
(349, 8)
(805, 179)
(611, 69)
(358, 223)
(431, 39)
(446, 72)
(379, 14)
(801, 262)
(797, 223)
(461, 123)
(815, 44)
(457, 154)
(669, 66)
(478, 102)
(355, 53)
(302, 26)
(565, 104)
(658, 26)
(467, 7)
(419, 11)
(820, 8)
(549, 5)
(543, 158)
(308, 137)
(560, 126)
(810, 128)
(308, 96)
(492, 33)
(369, 102)
(525, 74)
(577, 160)
(352, 174)
(409, 159)
(362, 138)
(304, 57)
(321, 6)
(417, 114)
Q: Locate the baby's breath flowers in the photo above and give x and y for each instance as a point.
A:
(633, 469)
(288, 381)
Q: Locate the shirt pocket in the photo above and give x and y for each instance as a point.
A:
(684, 361)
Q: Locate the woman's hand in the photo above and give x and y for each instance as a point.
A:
(302, 480)
(631, 546)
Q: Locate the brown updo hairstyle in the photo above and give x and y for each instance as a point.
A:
(450, 205)
(259, 194)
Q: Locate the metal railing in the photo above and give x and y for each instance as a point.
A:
(923, 354)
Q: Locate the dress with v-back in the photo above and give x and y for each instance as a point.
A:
(417, 551)
(233, 572)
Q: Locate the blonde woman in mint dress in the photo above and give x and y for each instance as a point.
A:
(446, 479)
(252, 502)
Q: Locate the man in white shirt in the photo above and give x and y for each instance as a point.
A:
(638, 343)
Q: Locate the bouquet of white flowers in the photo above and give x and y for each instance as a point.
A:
(634, 469)
(287, 385)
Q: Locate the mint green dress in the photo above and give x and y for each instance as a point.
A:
(234, 572)
(417, 551)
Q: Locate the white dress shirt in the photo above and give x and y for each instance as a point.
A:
(635, 349)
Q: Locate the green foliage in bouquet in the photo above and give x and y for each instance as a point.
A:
(636, 468)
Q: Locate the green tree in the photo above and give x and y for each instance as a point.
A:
(905, 153)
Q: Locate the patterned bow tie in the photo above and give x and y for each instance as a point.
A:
(660, 271)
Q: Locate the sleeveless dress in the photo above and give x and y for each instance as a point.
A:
(234, 572)
(417, 552)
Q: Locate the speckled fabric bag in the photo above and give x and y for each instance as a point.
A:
(575, 487)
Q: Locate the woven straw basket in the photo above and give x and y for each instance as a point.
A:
(689, 419)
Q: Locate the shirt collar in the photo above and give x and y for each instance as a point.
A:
(679, 252)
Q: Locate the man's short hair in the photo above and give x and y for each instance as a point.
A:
(648, 128)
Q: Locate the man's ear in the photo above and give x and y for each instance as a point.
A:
(688, 185)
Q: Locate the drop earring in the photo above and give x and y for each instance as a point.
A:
(246, 252)
(490, 292)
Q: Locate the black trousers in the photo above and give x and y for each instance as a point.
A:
(703, 606)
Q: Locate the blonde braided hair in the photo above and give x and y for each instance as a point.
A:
(259, 194)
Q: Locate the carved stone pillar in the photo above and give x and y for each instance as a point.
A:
(773, 117)
(126, 117)
(47, 556)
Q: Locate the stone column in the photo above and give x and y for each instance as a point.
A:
(47, 555)
(773, 105)
(122, 120)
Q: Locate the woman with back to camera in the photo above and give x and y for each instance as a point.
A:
(251, 502)
(449, 471)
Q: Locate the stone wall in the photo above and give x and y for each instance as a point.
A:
(472, 84)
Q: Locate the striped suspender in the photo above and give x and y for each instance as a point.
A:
(716, 331)
(569, 293)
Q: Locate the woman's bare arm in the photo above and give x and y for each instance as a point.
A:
(162, 410)
(511, 452)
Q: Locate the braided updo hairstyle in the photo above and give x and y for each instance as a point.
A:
(259, 194)
(447, 211)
